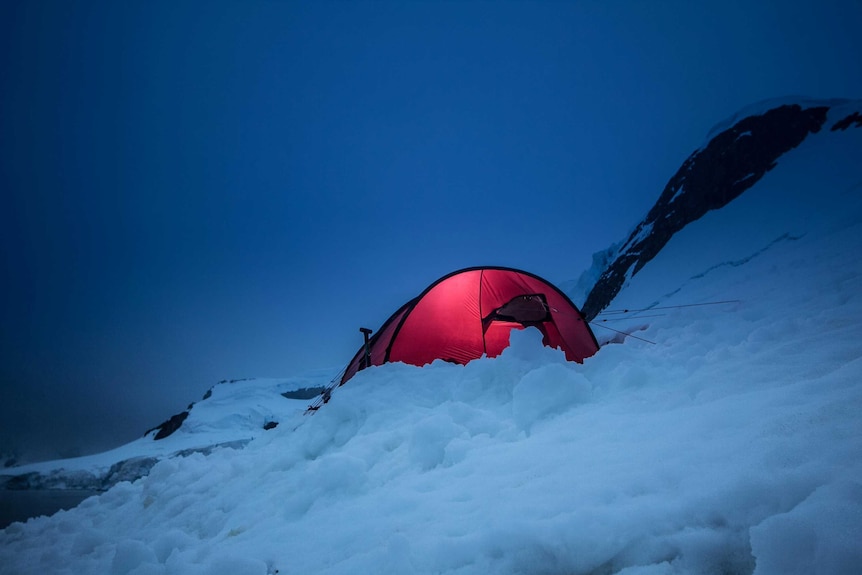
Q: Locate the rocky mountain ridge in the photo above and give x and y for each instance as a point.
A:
(734, 159)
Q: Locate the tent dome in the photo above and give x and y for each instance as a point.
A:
(469, 313)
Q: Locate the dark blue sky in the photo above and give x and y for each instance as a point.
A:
(196, 191)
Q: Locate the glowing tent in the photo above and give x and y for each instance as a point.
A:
(469, 314)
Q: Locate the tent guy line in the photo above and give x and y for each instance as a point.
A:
(626, 318)
(625, 333)
(622, 311)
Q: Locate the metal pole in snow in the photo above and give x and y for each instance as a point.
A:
(366, 332)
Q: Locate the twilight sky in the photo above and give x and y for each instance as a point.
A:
(197, 191)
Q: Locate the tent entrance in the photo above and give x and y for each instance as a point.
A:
(527, 310)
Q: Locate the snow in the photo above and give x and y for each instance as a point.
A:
(642, 233)
(732, 445)
(577, 290)
(677, 194)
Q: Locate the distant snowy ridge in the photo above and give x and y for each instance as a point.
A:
(734, 159)
(231, 414)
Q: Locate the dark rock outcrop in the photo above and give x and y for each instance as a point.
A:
(854, 118)
(168, 427)
(732, 162)
(304, 393)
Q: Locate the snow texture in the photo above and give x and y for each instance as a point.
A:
(732, 445)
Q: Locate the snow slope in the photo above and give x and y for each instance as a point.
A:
(731, 445)
(231, 414)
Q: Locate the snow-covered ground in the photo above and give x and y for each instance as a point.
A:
(730, 445)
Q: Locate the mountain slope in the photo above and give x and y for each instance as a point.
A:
(230, 414)
(732, 444)
(731, 162)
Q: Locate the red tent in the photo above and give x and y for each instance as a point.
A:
(469, 313)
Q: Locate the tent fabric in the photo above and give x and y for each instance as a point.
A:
(469, 313)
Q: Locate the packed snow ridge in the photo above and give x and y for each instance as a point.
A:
(730, 444)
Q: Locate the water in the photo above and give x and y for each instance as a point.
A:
(22, 505)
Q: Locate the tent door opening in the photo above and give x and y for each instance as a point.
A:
(527, 310)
